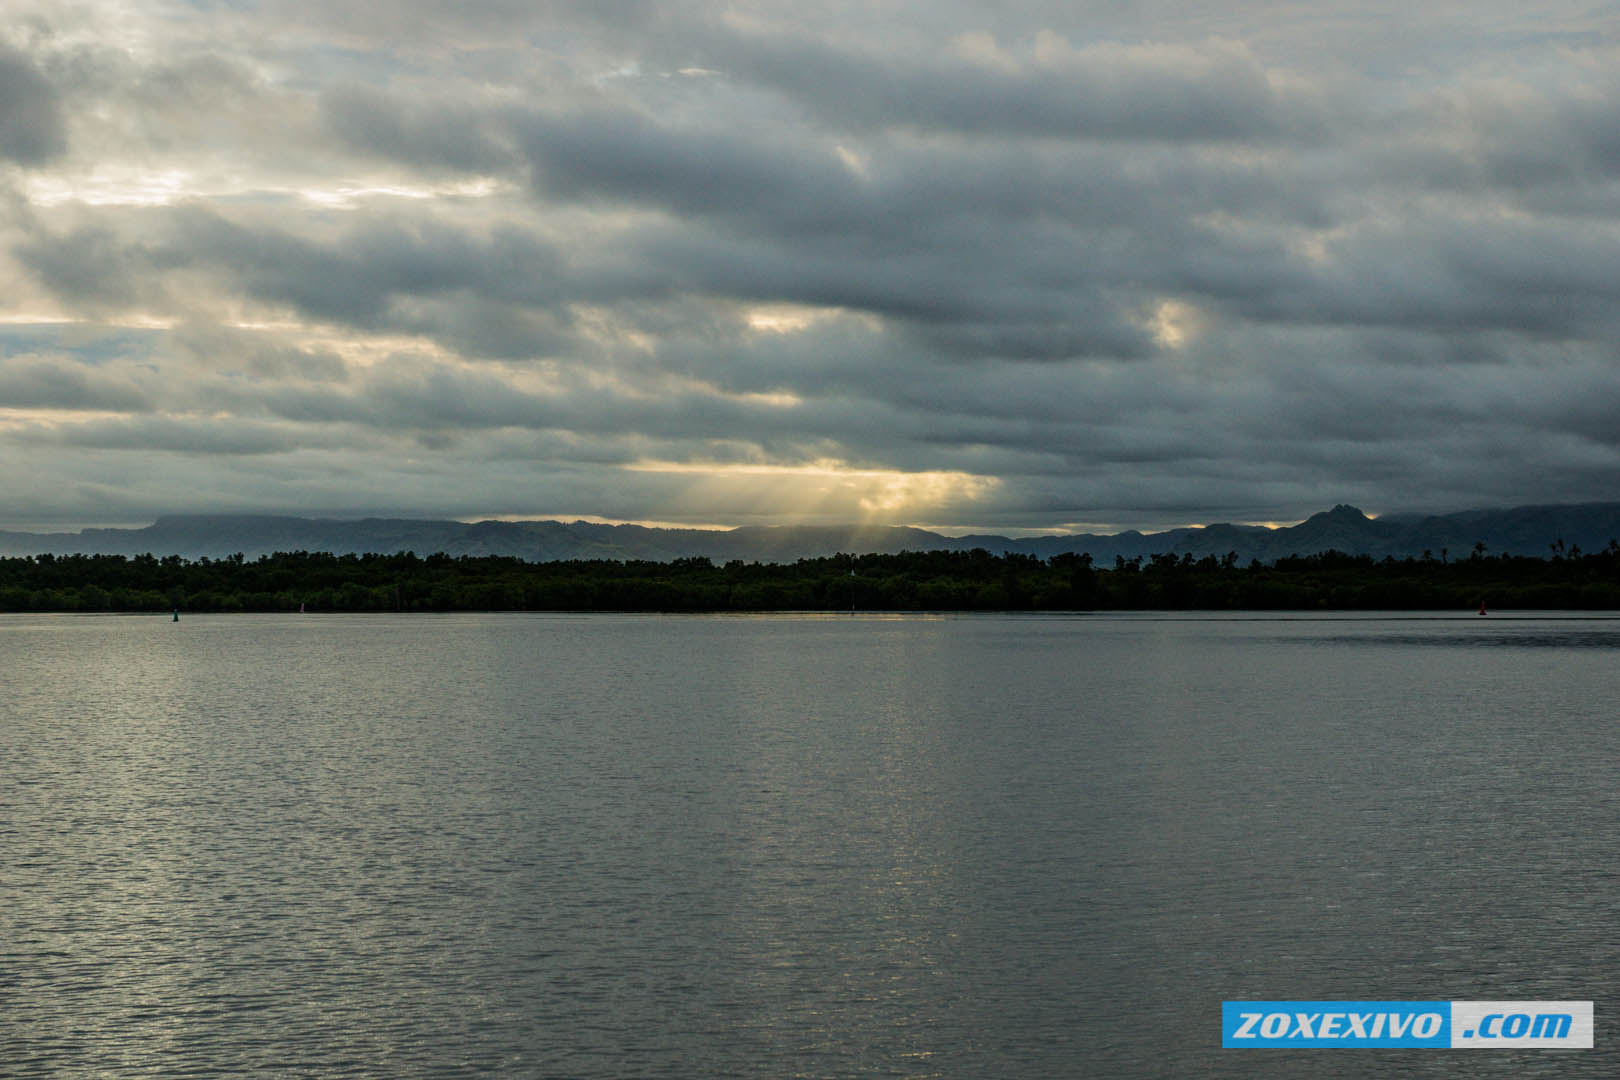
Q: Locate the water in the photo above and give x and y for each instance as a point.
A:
(596, 846)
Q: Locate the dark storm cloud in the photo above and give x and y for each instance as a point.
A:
(92, 266)
(953, 241)
(31, 121)
(971, 285)
(622, 155)
(1213, 91)
(1025, 250)
(1140, 265)
(1506, 136)
(430, 134)
(354, 277)
(363, 276)
(239, 351)
(37, 382)
(170, 435)
(1451, 273)
(814, 183)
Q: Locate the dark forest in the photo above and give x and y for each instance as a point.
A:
(910, 581)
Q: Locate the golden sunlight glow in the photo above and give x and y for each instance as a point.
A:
(1174, 324)
(14, 418)
(133, 320)
(129, 185)
(828, 486)
(854, 163)
(110, 186)
(141, 321)
(21, 319)
(782, 320)
(787, 318)
(349, 196)
(264, 324)
(598, 519)
(364, 351)
(893, 491)
(779, 399)
(770, 399)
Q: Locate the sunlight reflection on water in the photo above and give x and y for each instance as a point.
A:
(643, 845)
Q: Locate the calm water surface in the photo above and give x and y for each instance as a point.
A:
(601, 846)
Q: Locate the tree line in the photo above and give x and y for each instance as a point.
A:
(910, 581)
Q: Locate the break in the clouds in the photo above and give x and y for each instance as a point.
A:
(941, 264)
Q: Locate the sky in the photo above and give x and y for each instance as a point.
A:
(968, 266)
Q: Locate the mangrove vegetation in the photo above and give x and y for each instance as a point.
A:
(909, 581)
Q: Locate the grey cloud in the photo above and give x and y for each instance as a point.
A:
(1455, 275)
(355, 278)
(1517, 136)
(32, 129)
(478, 326)
(324, 281)
(391, 24)
(810, 221)
(92, 266)
(182, 100)
(436, 397)
(1157, 265)
(430, 135)
(37, 382)
(259, 355)
(199, 437)
(619, 154)
(1213, 91)
(432, 396)
(807, 187)
(980, 296)
(306, 404)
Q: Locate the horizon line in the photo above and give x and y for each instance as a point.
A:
(1079, 528)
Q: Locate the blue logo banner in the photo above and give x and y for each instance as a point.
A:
(1335, 1023)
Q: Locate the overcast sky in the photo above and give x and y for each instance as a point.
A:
(962, 265)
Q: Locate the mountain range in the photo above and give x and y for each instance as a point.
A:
(1525, 530)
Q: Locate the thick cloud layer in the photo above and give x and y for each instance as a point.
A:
(721, 264)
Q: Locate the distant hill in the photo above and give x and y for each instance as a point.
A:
(1525, 530)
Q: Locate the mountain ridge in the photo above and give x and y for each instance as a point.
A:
(1535, 530)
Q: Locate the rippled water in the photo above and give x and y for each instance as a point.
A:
(600, 846)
